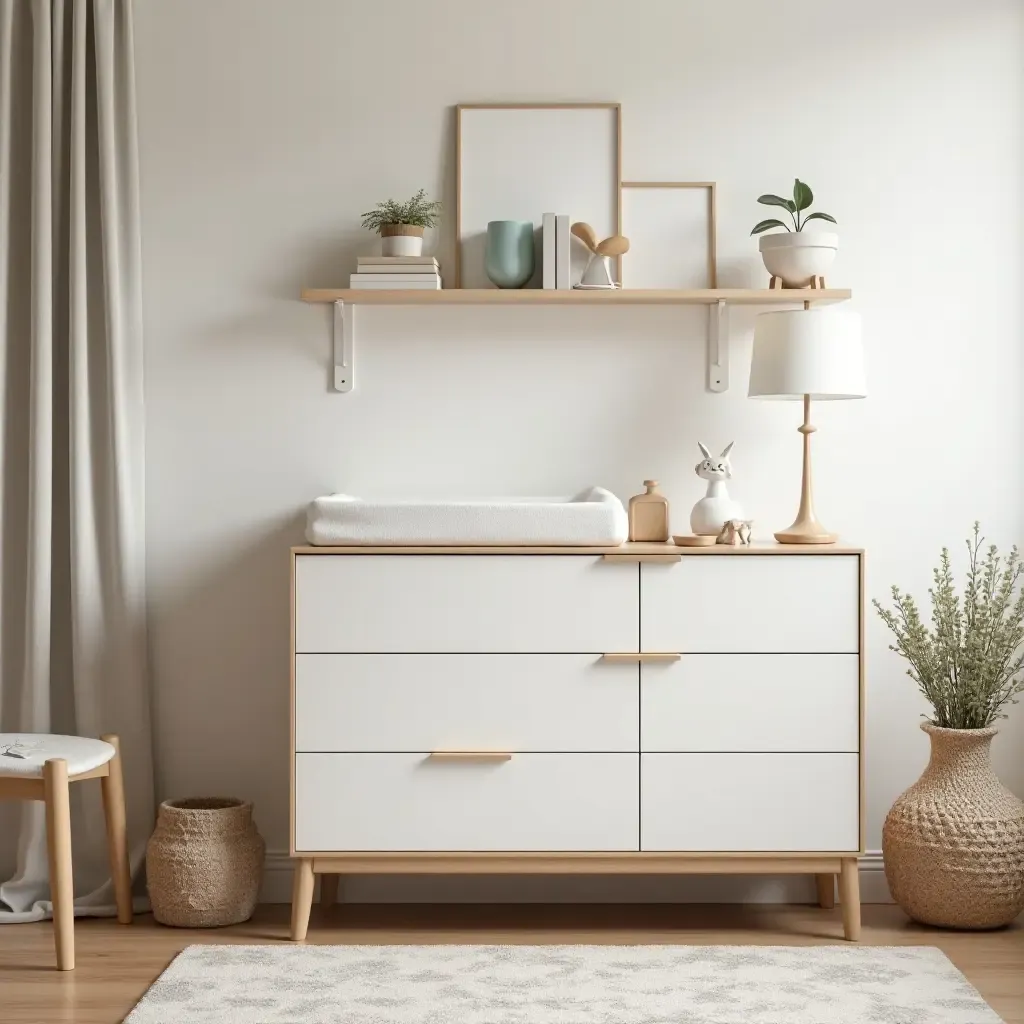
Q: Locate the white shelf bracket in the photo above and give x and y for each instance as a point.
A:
(718, 347)
(344, 346)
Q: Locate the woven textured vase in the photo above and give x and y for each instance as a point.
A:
(204, 862)
(954, 842)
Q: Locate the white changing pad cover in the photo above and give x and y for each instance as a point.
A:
(594, 517)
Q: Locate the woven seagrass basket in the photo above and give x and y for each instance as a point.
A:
(204, 862)
(954, 842)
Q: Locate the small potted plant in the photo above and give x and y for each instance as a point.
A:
(400, 225)
(797, 258)
(953, 844)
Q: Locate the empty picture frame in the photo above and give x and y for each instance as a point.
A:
(671, 226)
(519, 161)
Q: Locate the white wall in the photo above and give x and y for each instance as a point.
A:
(267, 127)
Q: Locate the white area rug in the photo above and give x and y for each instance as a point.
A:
(562, 985)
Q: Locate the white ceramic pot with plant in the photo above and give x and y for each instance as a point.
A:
(401, 225)
(953, 843)
(797, 258)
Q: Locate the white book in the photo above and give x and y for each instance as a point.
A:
(548, 250)
(398, 268)
(563, 263)
(395, 278)
(392, 261)
(372, 282)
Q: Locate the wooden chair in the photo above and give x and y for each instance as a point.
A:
(37, 766)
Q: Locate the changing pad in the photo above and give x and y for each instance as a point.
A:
(594, 517)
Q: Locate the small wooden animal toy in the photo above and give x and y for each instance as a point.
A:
(716, 507)
(735, 532)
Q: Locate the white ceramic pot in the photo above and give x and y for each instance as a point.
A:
(401, 240)
(798, 256)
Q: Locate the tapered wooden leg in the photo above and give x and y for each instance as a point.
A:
(302, 898)
(329, 890)
(117, 833)
(849, 896)
(58, 847)
(826, 890)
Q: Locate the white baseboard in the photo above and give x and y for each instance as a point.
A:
(277, 887)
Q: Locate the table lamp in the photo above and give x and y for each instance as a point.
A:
(807, 354)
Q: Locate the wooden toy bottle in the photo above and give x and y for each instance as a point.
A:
(648, 515)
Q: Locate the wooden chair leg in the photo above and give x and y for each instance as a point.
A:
(117, 832)
(849, 896)
(826, 890)
(329, 890)
(58, 846)
(302, 898)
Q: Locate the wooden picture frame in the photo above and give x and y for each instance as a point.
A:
(469, 217)
(712, 217)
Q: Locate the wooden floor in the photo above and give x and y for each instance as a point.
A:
(116, 964)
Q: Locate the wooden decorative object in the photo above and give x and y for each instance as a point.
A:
(569, 154)
(648, 515)
(817, 284)
(712, 218)
(693, 540)
(735, 532)
(585, 233)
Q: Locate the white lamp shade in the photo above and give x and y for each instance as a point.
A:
(816, 352)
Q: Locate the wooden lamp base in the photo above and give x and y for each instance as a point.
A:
(806, 533)
(806, 529)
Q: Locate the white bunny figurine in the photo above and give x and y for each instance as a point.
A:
(716, 507)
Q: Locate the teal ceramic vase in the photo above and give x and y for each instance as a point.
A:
(508, 259)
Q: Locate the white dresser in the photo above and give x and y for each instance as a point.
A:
(626, 710)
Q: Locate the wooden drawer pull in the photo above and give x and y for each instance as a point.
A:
(638, 557)
(469, 755)
(641, 656)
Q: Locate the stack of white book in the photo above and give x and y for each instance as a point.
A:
(396, 272)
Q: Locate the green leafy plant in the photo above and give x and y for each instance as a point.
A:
(802, 199)
(419, 211)
(967, 665)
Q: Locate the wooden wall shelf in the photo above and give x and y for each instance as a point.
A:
(717, 300)
(575, 296)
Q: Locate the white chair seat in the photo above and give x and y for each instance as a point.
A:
(25, 753)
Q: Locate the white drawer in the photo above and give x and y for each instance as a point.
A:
(752, 703)
(723, 604)
(806, 803)
(396, 802)
(425, 702)
(465, 604)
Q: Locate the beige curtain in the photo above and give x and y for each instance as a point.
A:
(72, 598)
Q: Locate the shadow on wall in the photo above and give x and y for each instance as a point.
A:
(220, 651)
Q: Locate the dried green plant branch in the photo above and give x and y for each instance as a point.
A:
(969, 664)
(419, 211)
